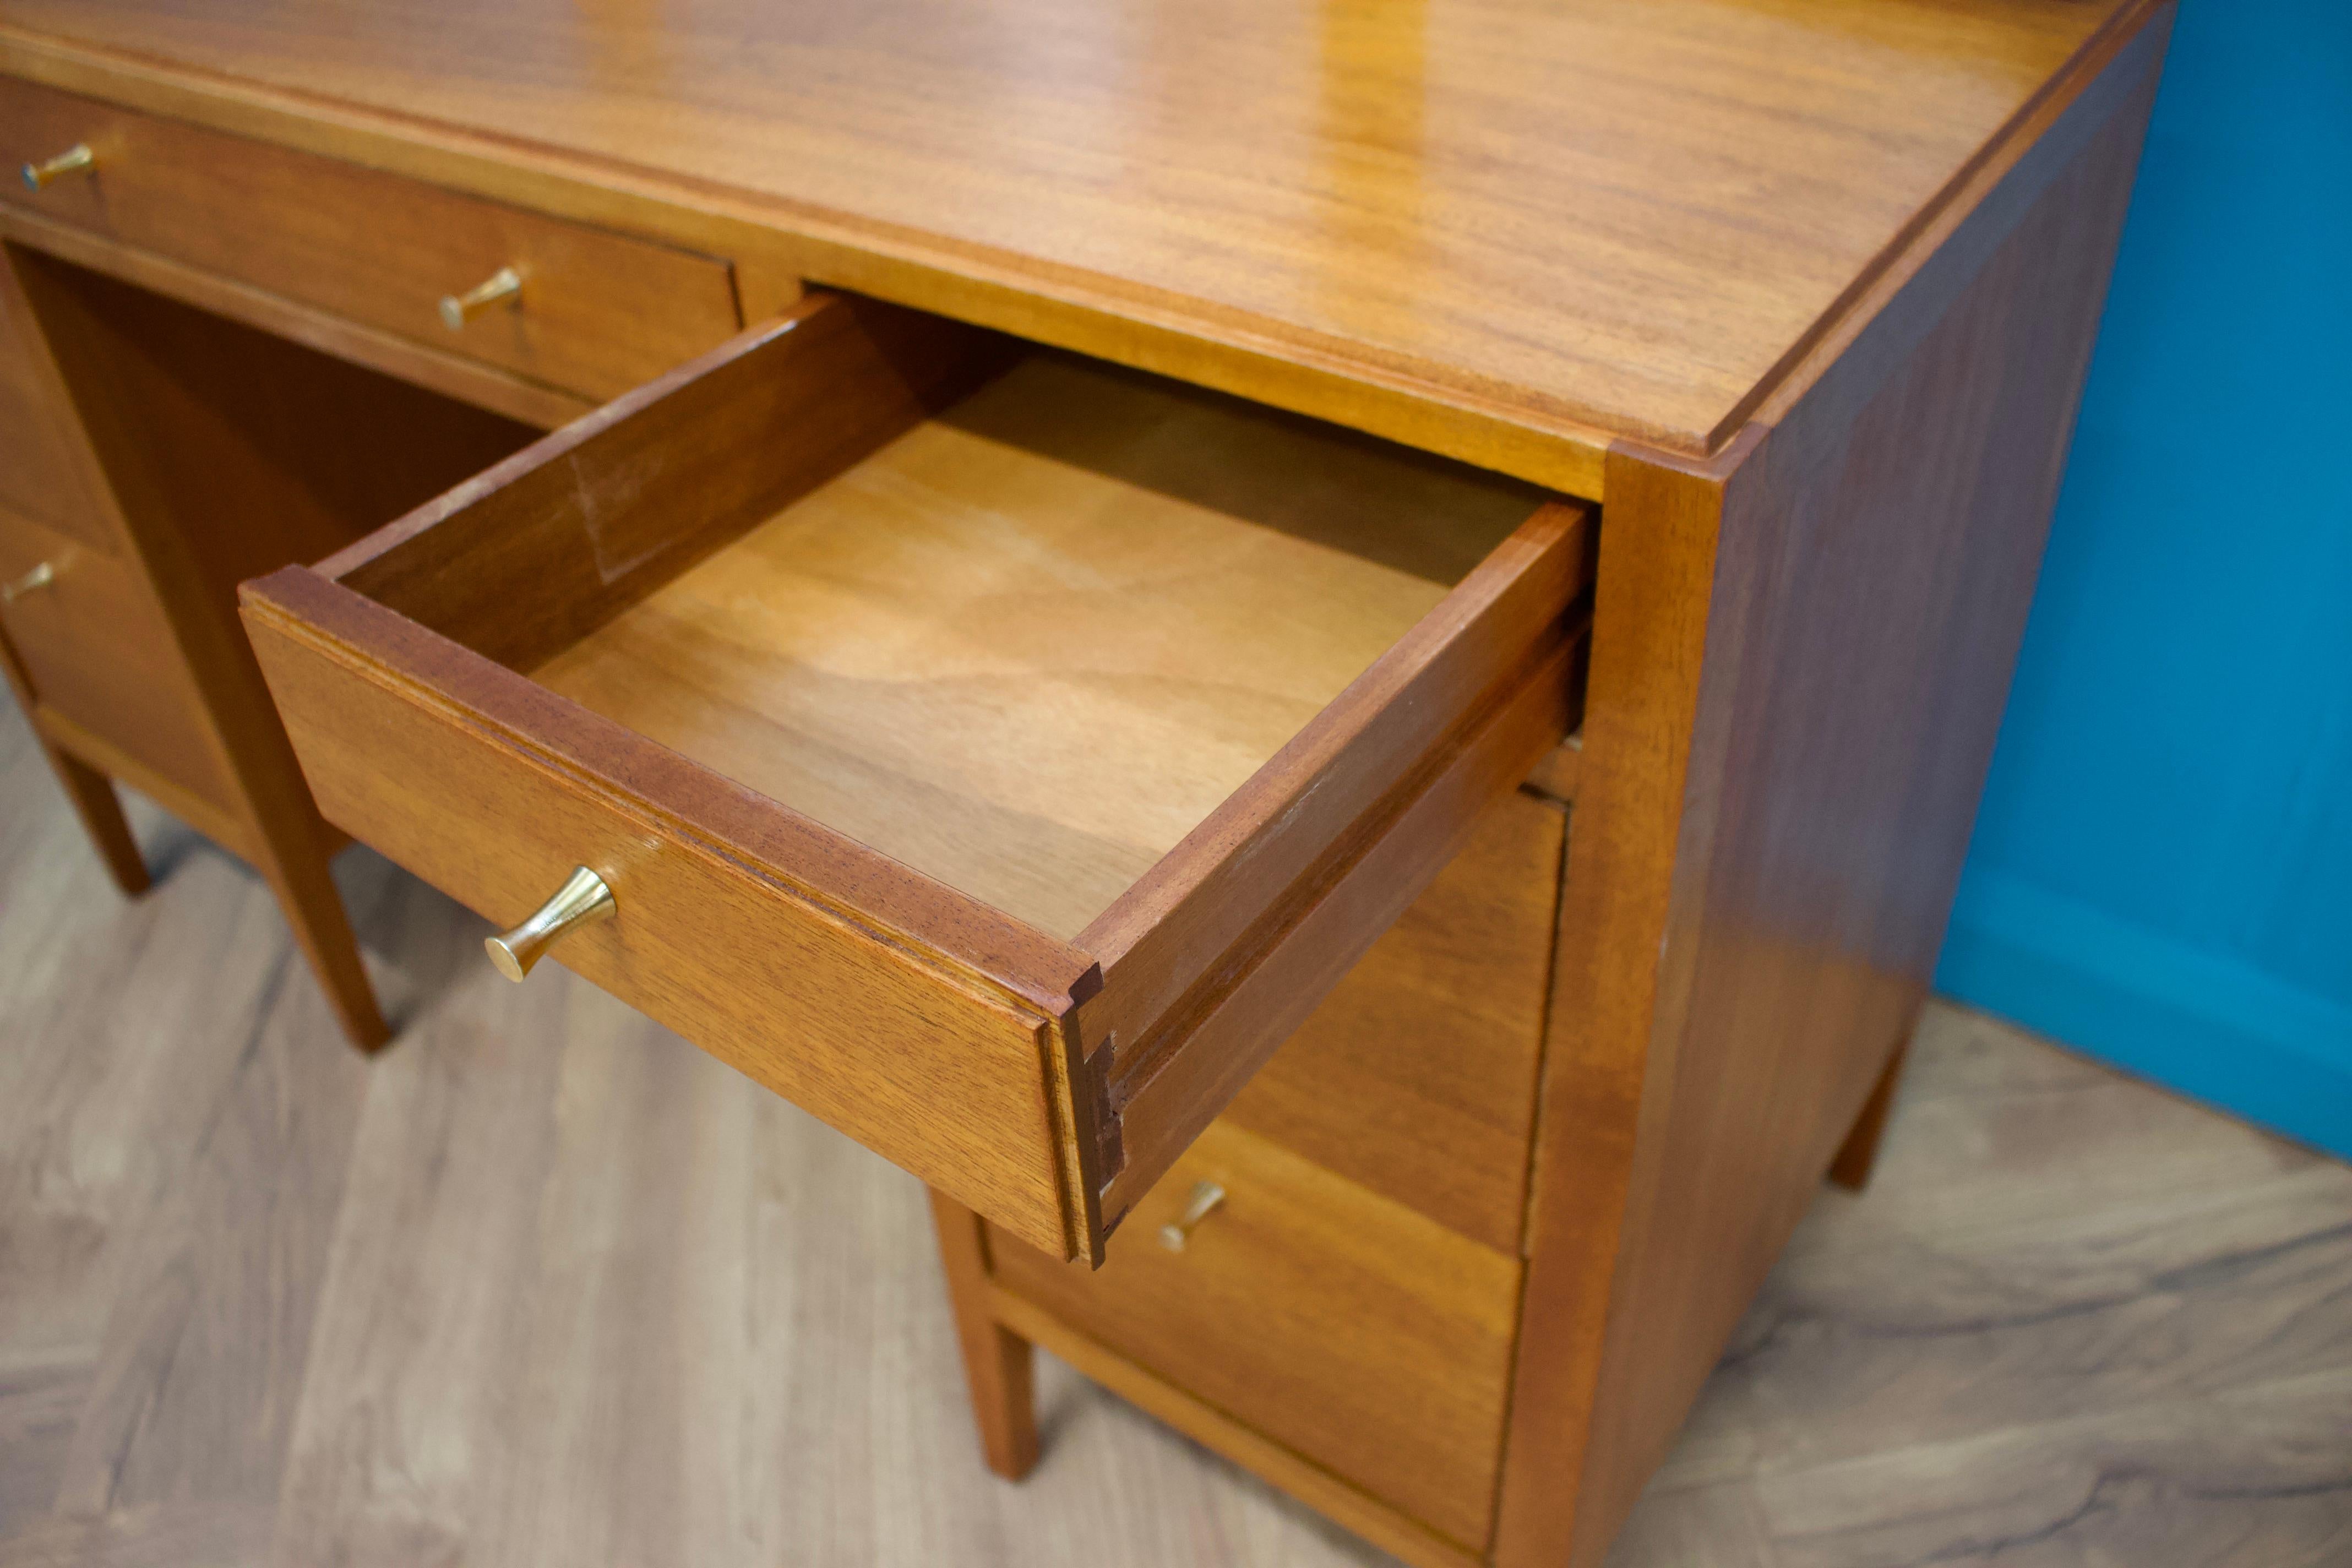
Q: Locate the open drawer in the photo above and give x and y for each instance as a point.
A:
(994, 753)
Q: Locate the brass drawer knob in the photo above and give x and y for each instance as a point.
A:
(456, 310)
(1206, 1196)
(75, 160)
(582, 901)
(40, 576)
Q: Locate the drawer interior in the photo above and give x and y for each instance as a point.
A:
(1028, 641)
(1030, 644)
(1133, 708)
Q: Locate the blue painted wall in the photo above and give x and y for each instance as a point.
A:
(2162, 870)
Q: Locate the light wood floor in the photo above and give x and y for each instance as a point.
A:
(544, 1285)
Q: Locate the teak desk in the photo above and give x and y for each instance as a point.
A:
(1336, 658)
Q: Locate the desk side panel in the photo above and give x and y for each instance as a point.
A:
(1799, 664)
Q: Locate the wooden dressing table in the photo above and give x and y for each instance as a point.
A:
(1338, 660)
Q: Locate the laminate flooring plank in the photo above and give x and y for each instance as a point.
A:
(154, 1535)
(2257, 1477)
(639, 1255)
(172, 1130)
(202, 1355)
(2052, 1260)
(400, 1449)
(39, 1407)
(2172, 1254)
(81, 1067)
(1875, 1337)
(1720, 1524)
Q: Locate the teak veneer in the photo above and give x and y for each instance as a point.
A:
(1031, 644)
(601, 313)
(1337, 664)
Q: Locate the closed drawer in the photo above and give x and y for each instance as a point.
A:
(1416, 1077)
(96, 650)
(995, 754)
(1359, 1333)
(597, 312)
(39, 477)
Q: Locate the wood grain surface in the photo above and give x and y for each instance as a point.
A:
(2073, 1320)
(92, 795)
(42, 475)
(521, 559)
(1416, 1077)
(1361, 1335)
(1028, 646)
(1728, 999)
(1349, 1506)
(548, 1284)
(1478, 218)
(250, 450)
(1778, 775)
(419, 363)
(598, 313)
(48, 481)
(96, 649)
(1316, 928)
(999, 1367)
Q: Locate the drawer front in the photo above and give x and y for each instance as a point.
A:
(95, 647)
(597, 312)
(1416, 1077)
(39, 476)
(1363, 1335)
(714, 940)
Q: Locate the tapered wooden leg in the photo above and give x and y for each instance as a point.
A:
(94, 801)
(997, 1362)
(1855, 1157)
(298, 873)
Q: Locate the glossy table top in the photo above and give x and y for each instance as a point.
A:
(1629, 217)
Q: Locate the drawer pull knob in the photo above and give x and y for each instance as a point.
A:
(1206, 1196)
(40, 576)
(75, 160)
(505, 283)
(582, 901)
